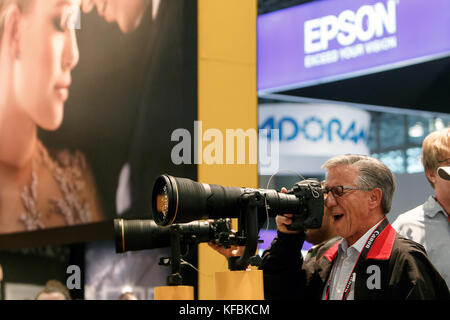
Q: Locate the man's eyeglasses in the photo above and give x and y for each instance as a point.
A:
(337, 191)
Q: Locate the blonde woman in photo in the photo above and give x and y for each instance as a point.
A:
(38, 51)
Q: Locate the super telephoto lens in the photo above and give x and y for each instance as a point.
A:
(133, 235)
(180, 200)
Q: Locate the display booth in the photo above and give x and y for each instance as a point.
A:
(205, 90)
(366, 77)
(141, 74)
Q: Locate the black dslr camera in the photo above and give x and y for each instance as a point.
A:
(309, 215)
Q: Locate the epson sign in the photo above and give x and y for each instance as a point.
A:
(328, 40)
(364, 24)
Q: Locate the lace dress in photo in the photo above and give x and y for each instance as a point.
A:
(67, 170)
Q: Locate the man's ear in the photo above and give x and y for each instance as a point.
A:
(431, 175)
(11, 32)
(375, 196)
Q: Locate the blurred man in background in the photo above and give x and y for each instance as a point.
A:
(429, 223)
(54, 290)
(127, 14)
(1, 283)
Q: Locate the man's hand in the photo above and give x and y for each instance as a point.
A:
(282, 223)
(284, 220)
(233, 251)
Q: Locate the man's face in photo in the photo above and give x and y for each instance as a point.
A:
(126, 13)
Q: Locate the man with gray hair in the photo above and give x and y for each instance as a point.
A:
(371, 261)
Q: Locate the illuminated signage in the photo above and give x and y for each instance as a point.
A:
(332, 39)
(317, 129)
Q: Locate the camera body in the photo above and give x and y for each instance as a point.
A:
(310, 213)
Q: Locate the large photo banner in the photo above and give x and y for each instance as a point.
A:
(90, 94)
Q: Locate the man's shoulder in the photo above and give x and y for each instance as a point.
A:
(326, 245)
(409, 261)
(414, 223)
(407, 253)
(416, 214)
(320, 249)
(405, 246)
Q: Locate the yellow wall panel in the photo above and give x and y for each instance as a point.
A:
(227, 30)
(227, 99)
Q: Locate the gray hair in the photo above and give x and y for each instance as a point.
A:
(372, 174)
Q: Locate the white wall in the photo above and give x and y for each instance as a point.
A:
(412, 190)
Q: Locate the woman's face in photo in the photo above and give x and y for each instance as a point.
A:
(47, 54)
(127, 13)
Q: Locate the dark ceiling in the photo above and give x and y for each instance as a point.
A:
(265, 6)
(424, 86)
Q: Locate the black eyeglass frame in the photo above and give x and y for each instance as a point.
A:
(336, 194)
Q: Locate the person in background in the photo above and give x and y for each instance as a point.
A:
(54, 290)
(321, 238)
(127, 14)
(128, 296)
(164, 89)
(429, 223)
(1, 283)
(162, 97)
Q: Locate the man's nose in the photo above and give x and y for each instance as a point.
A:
(330, 200)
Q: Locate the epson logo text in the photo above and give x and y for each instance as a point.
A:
(367, 22)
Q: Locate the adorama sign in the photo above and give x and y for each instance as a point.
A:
(316, 129)
(331, 39)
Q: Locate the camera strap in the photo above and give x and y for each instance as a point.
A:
(362, 256)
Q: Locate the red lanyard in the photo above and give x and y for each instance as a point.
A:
(370, 241)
